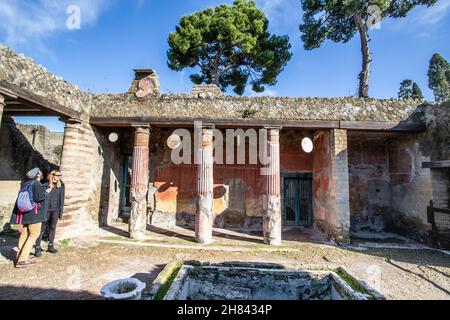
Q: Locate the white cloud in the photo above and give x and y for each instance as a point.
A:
(23, 20)
(282, 13)
(265, 93)
(434, 14)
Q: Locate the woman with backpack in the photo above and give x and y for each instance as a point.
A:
(29, 213)
(55, 208)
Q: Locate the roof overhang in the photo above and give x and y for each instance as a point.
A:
(21, 102)
(378, 126)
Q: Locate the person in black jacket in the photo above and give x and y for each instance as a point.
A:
(55, 208)
(30, 221)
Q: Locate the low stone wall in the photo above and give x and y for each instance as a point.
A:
(224, 283)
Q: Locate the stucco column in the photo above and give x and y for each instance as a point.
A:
(204, 218)
(340, 181)
(272, 213)
(139, 183)
(2, 106)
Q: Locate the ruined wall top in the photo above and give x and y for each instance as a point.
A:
(25, 73)
(205, 101)
(264, 108)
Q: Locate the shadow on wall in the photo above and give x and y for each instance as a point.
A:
(17, 157)
(111, 177)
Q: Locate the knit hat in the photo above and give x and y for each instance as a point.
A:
(33, 173)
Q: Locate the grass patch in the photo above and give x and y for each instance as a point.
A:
(167, 280)
(249, 113)
(118, 239)
(354, 284)
(65, 242)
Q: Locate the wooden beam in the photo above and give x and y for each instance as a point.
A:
(239, 123)
(399, 126)
(436, 164)
(228, 123)
(26, 97)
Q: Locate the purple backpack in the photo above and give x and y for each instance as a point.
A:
(25, 202)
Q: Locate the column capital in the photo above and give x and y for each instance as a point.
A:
(73, 121)
(141, 125)
(205, 126)
(279, 128)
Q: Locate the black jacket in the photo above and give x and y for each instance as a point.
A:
(40, 197)
(56, 199)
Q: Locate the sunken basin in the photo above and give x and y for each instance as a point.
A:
(215, 282)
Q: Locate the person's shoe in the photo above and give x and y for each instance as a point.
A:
(51, 249)
(38, 252)
(25, 264)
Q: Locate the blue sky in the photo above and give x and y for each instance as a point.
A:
(119, 35)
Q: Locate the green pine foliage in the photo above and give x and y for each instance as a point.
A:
(231, 46)
(410, 90)
(340, 21)
(439, 78)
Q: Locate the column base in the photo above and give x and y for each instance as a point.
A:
(273, 242)
(204, 220)
(272, 221)
(137, 235)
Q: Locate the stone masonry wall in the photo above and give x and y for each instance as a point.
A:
(412, 192)
(24, 72)
(270, 108)
(49, 144)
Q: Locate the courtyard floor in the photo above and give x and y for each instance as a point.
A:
(83, 266)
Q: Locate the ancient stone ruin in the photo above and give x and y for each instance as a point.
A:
(375, 166)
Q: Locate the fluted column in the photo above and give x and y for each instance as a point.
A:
(272, 216)
(78, 149)
(204, 218)
(2, 106)
(139, 183)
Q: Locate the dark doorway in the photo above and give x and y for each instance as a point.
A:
(125, 203)
(298, 200)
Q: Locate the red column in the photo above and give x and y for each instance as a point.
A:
(204, 218)
(139, 183)
(272, 216)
